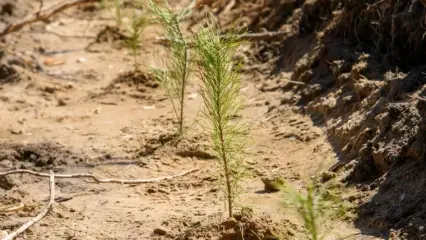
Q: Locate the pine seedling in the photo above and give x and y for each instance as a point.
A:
(314, 207)
(221, 95)
(175, 78)
(138, 24)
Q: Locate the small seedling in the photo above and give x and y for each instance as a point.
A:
(314, 206)
(175, 78)
(221, 95)
(139, 22)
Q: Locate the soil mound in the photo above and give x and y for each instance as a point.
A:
(240, 227)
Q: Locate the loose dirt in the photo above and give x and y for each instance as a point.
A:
(71, 101)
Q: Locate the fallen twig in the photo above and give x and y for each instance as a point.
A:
(60, 35)
(263, 36)
(245, 37)
(43, 14)
(59, 199)
(349, 236)
(33, 221)
(419, 98)
(295, 82)
(108, 103)
(12, 208)
(269, 118)
(98, 179)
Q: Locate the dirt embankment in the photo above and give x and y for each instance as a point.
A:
(361, 66)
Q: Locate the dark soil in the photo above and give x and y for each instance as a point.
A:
(37, 156)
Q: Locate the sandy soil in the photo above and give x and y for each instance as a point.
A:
(84, 115)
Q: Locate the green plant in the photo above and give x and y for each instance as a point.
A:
(138, 24)
(314, 206)
(175, 78)
(221, 95)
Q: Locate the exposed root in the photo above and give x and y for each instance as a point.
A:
(100, 180)
(33, 221)
(44, 14)
(13, 208)
(266, 36)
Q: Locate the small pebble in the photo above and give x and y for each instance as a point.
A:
(327, 176)
(192, 96)
(69, 85)
(82, 60)
(61, 102)
(148, 107)
(151, 190)
(16, 131)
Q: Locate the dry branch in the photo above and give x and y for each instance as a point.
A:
(266, 36)
(295, 82)
(419, 98)
(33, 221)
(263, 36)
(100, 180)
(44, 14)
(13, 208)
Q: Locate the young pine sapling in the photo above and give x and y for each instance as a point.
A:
(221, 95)
(175, 78)
(314, 206)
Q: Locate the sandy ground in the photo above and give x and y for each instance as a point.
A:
(78, 117)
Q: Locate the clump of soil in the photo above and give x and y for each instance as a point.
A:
(36, 156)
(110, 34)
(133, 83)
(137, 78)
(273, 183)
(237, 228)
(153, 143)
(108, 37)
(8, 73)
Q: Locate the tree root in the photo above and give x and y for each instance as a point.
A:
(266, 36)
(44, 14)
(51, 176)
(98, 179)
(36, 219)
